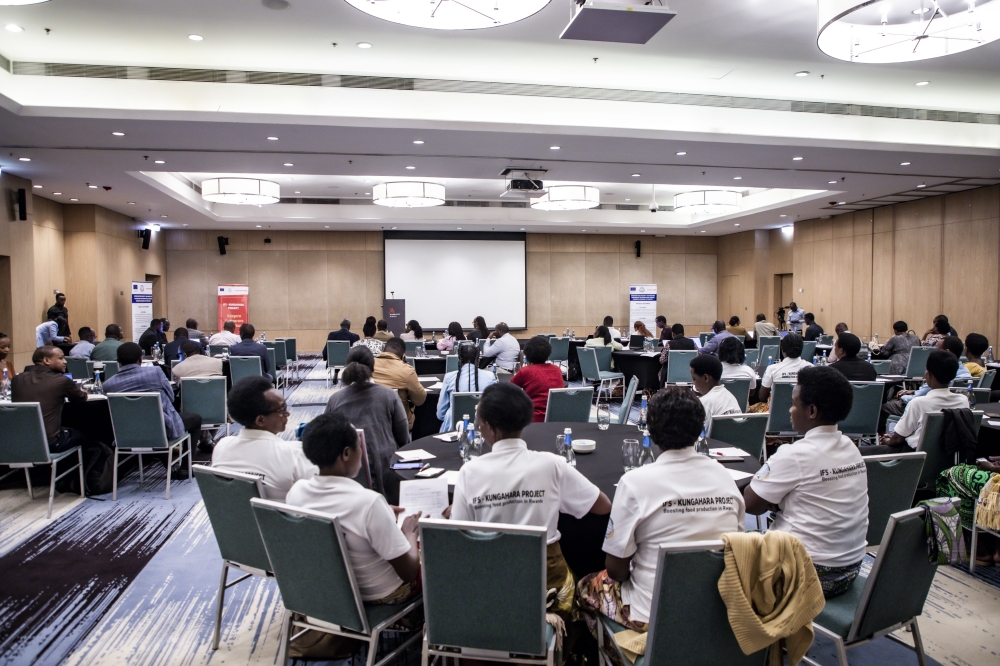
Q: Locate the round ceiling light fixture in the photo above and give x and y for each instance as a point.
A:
(568, 197)
(704, 202)
(451, 14)
(408, 194)
(871, 31)
(240, 191)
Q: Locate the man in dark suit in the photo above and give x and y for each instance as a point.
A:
(247, 347)
(343, 334)
(677, 342)
(172, 351)
(150, 337)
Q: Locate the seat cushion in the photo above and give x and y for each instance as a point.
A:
(838, 613)
(379, 613)
(611, 375)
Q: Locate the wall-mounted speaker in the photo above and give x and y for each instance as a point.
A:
(638, 248)
(223, 242)
(146, 234)
(22, 204)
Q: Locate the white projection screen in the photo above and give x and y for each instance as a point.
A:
(456, 277)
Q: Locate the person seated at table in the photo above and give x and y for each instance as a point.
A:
(85, 346)
(378, 411)
(787, 368)
(733, 357)
(503, 347)
(382, 333)
(641, 520)
(195, 364)
(942, 366)
(941, 328)
(848, 364)
(384, 556)
(838, 330)
(247, 347)
(469, 378)
(46, 383)
(47, 333)
(966, 481)
(813, 330)
(975, 346)
(538, 377)
(735, 328)
(817, 486)
(706, 373)
(151, 336)
(609, 321)
(762, 327)
(107, 349)
(258, 448)
(370, 340)
(172, 352)
(193, 333)
(5, 362)
(639, 328)
(897, 405)
(662, 330)
(343, 334)
(454, 335)
(485, 483)
(712, 346)
(392, 370)
(479, 329)
(227, 336)
(897, 348)
(603, 338)
(413, 332)
(678, 342)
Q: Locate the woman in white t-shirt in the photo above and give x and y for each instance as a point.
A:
(818, 485)
(733, 357)
(716, 399)
(413, 332)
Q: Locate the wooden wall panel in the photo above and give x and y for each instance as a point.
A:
(700, 289)
(883, 282)
(538, 271)
(917, 275)
(569, 295)
(669, 275)
(970, 249)
(269, 290)
(860, 319)
(601, 288)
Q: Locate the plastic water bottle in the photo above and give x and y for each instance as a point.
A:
(98, 386)
(469, 443)
(646, 457)
(972, 396)
(5, 385)
(465, 422)
(826, 361)
(701, 446)
(568, 447)
(643, 411)
(989, 354)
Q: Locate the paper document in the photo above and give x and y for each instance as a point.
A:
(428, 497)
(415, 454)
(729, 452)
(650, 354)
(428, 379)
(447, 436)
(450, 477)
(736, 474)
(437, 386)
(995, 424)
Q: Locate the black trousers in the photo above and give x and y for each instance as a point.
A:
(192, 424)
(67, 439)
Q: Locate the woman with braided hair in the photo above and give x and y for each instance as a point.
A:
(467, 379)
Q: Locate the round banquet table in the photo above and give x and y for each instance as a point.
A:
(582, 539)
(638, 364)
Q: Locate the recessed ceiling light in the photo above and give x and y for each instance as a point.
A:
(831, 182)
(411, 167)
(93, 187)
(364, 45)
(187, 225)
(297, 192)
(395, 227)
(195, 38)
(802, 73)
(258, 226)
(628, 200)
(130, 203)
(38, 187)
(904, 164)
(783, 216)
(327, 226)
(118, 133)
(841, 203)
(74, 199)
(921, 10)
(522, 228)
(163, 216)
(57, 194)
(923, 83)
(737, 224)
(636, 175)
(289, 164)
(553, 147)
(272, 138)
(159, 161)
(737, 177)
(796, 159)
(643, 231)
(459, 228)
(24, 159)
(682, 153)
(921, 185)
(14, 28)
(367, 193)
(702, 231)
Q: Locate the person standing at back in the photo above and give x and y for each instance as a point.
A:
(796, 316)
(662, 330)
(59, 311)
(107, 349)
(538, 377)
(247, 347)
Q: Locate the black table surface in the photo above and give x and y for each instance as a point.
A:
(634, 363)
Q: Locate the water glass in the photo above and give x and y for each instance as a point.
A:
(603, 416)
(630, 454)
(561, 445)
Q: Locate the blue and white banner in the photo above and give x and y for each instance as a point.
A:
(142, 308)
(642, 305)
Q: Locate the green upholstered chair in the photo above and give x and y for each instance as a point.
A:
(882, 367)
(78, 367)
(459, 599)
(23, 445)
(779, 422)
(744, 431)
(462, 403)
(560, 350)
(244, 366)
(917, 363)
(862, 421)
(137, 421)
(809, 350)
(705, 337)
(309, 559)
(206, 396)
(769, 352)
(227, 498)
(291, 356)
(217, 350)
(890, 598)
(752, 356)
(986, 380)
(569, 404)
(892, 482)
(108, 369)
(932, 443)
(603, 358)
(451, 363)
(336, 358)
(412, 346)
(825, 339)
(740, 388)
(591, 371)
(626, 408)
(686, 586)
(679, 366)
(768, 341)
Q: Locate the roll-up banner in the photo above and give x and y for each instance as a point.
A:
(142, 308)
(233, 304)
(641, 306)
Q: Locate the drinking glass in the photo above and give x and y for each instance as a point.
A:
(630, 454)
(603, 416)
(561, 445)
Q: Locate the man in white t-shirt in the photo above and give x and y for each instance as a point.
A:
(787, 369)
(520, 487)
(706, 373)
(818, 485)
(383, 555)
(683, 496)
(258, 449)
(609, 321)
(227, 336)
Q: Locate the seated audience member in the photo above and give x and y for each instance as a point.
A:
(45, 382)
(897, 405)
(193, 333)
(733, 357)
(677, 342)
(818, 485)
(941, 328)
(392, 371)
(942, 366)
(639, 328)
(382, 333)
(855, 369)
(151, 336)
(247, 347)
(712, 346)
(787, 368)
(5, 362)
(343, 334)
(161, 335)
(609, 321)
(503, 347)
(706, 373)
(258, 448)
(639, 524)
(813, 330)
(47, 333)
(897, 348)
(662, 331)
(454, 335)
(966, 481)
(196, 364)
(504, 411)
(763, 327)
(839, 330)
(735, 328)
(538, 377)
(384, 556)
(603, 338)
(172, 352)
(370, 340)
(413, 332)
(133, 377)
(479, 329)
(227, 336)
(469, 378)
(107, 349)
(85, 346)
(379, 412)
(975, 346)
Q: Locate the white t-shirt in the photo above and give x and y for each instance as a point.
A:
(520, 487)
(615, 333)
(733, 371)
(369, 529)
(911, 423)
(224, 338)
(820, 485)
(279, 463)
(683, 496)
(788, 368)
(719, 402)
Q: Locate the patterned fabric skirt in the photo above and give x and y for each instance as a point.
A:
(758, 407)
(598, 593)
(560, 584)
(964, 482)
(836, 580)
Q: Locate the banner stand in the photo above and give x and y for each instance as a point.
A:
(142, 308)
(233, 304)
(642, 305)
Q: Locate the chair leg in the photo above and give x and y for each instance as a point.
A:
(424, 650)
(918, 643)
(973, 547)
(52, 489)
(220, 598)
(114, 479)
(285, 638)
(170, 461)
(141, 478)
(842, 651)
(79, 456)
(27, 477)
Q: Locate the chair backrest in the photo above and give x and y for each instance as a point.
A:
(271, 357)
(451, 363)
(603, 358)
(290, 352)
(679, 366)
(768, 352)
(740, 388)
(308, 556)
(22, 434)
(137, 420)
(687, 586)
(900, 578)
(809, 350)
(882, 367)
(244, 366)
(560, 349)
(745, 431)
(205, 396)
(982, 395)
(216, 350)
(752, 355)
(705, 337)
(78, 367)
(768, 341)
(569, 404)
(463, 403)
(892, 482)
(109, 369)
(932, 443)
(588, 364)
(336, 353)
(865, 409)
(457, 598)
(779, 420)
(280, 354)
(917, 363)
(825, 339)
(227, 498)
(412, 346)
(986, 381)
(626, 407)
(174, 362)
(481, 342)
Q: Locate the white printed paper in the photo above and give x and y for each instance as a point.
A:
(447, 436)
(730, 452)
(738, 475)
(438, 386)
(414, 455)
(428, 497)
(451, 477)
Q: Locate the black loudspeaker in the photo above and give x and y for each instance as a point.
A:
(146, 235)
(638, 248)
(223, 242)
(22, 204)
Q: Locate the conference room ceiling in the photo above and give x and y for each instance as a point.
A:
(717, 83)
